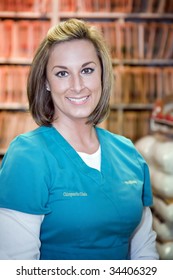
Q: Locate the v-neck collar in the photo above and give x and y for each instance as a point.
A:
(77, 160)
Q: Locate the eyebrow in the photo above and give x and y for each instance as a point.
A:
(64, 67)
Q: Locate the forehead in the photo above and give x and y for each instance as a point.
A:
(74, 49)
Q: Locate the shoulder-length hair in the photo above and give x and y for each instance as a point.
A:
(40, 101)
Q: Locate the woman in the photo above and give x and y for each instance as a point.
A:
(71, 190)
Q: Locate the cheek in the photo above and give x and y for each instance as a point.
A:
(95, 84)
(59, 87)
(98, 87)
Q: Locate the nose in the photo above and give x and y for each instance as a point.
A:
(77, 83)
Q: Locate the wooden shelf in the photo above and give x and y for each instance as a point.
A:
(112, 15)
(145, 62)
(82, 14)
(25, 15)
(13, 106)
(133, 106)
(15, 60)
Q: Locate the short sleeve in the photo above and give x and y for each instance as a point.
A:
(25, 177)
(147, 195)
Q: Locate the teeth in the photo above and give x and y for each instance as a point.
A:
(78, 100)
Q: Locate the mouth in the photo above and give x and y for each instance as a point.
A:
(78, 101)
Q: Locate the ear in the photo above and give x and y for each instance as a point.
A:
(47, 86)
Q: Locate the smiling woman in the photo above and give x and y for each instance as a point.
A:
(70, 34)
(69, 189)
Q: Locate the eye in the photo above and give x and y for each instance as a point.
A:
(62, 74)
(87, 70)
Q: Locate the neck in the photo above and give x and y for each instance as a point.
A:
(82, 137)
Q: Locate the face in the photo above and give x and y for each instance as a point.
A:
(74, 80)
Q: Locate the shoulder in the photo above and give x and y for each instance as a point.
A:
(32, 140)
(37, 135)
(122, 146)
(25, 174)
(115, 139)
(28, 148)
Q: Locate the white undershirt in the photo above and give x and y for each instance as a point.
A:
(20, 232)
(93, 160)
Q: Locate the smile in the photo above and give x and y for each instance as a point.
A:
(78, 101)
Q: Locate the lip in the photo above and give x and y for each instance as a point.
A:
(78, 100)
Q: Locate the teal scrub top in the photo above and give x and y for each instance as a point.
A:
(88, 214)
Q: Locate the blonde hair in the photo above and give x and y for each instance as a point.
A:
(40, 100)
